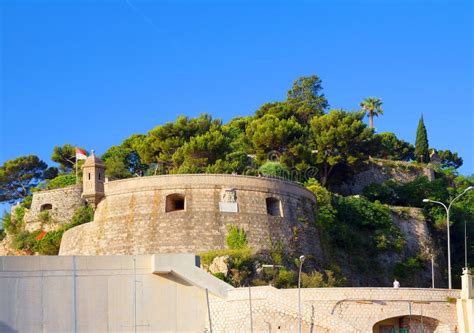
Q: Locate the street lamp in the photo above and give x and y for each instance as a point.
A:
(302, 258)
(447, 208)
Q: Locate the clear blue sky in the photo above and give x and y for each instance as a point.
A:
(92, 73)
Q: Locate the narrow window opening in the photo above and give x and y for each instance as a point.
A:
(89, 175)
(175, 202)
(46, 207)
(274, 207)
(99, 175)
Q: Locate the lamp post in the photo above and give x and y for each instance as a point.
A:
(302, 258)
(448, 208)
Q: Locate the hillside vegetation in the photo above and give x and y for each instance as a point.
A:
(299, 139)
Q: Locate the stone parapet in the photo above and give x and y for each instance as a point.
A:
(333, 309)
(183, 181)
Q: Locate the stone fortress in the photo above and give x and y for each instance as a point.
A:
(133, 269)
(178, 213)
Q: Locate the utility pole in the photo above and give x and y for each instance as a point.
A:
(465, 244)
(432, 271)
(302, 258)
(448, 208)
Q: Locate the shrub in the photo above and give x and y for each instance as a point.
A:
(325, 213)
(380, 192)
(14, 224)
(277, 252)
(61, 181)
(50, 244)
(25, 240)
(363, 226)
(243, 255)
(241, 264)
(274, 169)
(236, 238)
(323, 196)
(285, 278)
(7, 222)
(407, 194)
(220, 276)
(316, 279)
(27, 202)
(407, 268)
(81, 215)
(312, 280)
(45, 217)
(358, 211)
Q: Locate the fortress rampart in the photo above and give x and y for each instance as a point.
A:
(190, 213)
(59, 203)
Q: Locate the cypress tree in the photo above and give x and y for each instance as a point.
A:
(422, 153)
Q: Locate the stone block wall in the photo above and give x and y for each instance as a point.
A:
(132, 218)
(332, 309)
(60, 203)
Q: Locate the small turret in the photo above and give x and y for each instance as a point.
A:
(434, 158)
(93, 177)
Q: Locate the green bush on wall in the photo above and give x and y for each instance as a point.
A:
(50, 243)
(14, 224)
(82, 215)
(236, 238)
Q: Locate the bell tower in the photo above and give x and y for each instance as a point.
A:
(93, 177)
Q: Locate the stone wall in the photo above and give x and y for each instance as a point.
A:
(60, 203)
(132, 218)
(332, 309)
(380, 171)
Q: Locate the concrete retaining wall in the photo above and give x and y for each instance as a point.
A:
(103, 294)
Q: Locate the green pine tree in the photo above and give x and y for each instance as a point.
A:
(422, 153)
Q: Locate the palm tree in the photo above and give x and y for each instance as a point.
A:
(373, 106)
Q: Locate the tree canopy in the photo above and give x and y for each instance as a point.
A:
(449, 159)
(392, 148)
(65, 156)
(340, 137)
(297, 133)
(19, 176)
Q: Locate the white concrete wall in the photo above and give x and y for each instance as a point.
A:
(37, 295)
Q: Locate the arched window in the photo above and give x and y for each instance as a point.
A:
(274, 207)
(46, 207)
(175, 202)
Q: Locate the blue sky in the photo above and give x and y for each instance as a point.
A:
(92, 73)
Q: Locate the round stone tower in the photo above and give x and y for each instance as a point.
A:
(93, 176)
